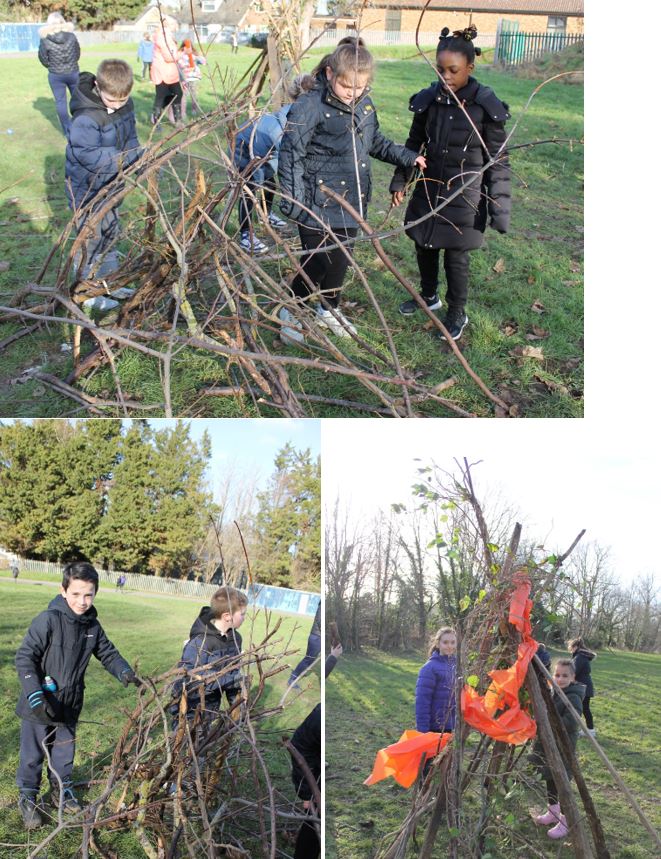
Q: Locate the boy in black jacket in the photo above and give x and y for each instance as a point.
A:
(51, 664)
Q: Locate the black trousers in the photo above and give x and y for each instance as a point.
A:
(166, 95)
(456, 264)
(326, 269)
(60, 740)
(551, 792)
(307, 842)
(247, 204)
(587, 712)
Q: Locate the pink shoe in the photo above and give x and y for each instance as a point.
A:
(560, 830)
(552, 816)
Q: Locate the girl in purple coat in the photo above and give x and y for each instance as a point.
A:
(435, 704)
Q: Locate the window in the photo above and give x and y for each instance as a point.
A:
(556, 25)
(209, 5)
(393, 20)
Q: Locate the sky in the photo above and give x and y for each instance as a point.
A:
(561, 476)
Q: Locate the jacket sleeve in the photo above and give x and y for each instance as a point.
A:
(389, 151)
(424, 693)
(43, 53)
(417, 136)
(31, 652)
(108, 655)
(133, 150)
(301, 124)
(567, 718)
(497, 178)
(76, 50)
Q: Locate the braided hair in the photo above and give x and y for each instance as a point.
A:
(460, 42)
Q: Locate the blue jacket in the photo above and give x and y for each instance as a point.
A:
(61, 643)
(99, 143)
(261, 139)
(146, 51)
(434, 694)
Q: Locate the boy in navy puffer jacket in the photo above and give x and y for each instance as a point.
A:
(102, 141)
(51, 664)
(435, 706)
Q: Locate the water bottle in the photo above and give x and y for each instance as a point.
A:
(49, 685)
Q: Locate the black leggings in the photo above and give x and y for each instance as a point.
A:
(551, 791)
(325, 270)
(455, 263)
(589, 722)
(166, 95)
(247, 204)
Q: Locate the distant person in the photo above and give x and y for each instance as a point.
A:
(165, 73)
(564, 675)
(189, 63)
(582, 658)
(460, 124)
(260, 139)
(121, 581)
(313, 648)
(146, 54)
(435, 705)
(59, 52)
(544, 656)
(235, 42)
(14, 569)
(307, 742)
(51, 662)
(102, 141)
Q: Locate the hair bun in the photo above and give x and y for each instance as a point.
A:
(444, 32)
(478, 52)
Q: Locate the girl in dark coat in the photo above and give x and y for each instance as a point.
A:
(59, 52)
(459, 125)
(565, 677)
(582, 658)
(435, 706)
(330, 136)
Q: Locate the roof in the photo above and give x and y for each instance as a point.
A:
(230, 13)
(528, 7)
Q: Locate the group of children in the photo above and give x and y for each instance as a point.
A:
(53, 658)
(453, 161)
(435, 707)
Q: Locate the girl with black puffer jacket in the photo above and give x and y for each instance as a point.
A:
(59, 52)
(459, 125)
(582, 658)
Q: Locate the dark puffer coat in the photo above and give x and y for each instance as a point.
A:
(307, 741)
(454, 152)
(206, 652)
(99, 144)
(582, 660)
(575, 692)
(61, 643)
(434, 694)
(328, 142)
(59, 49)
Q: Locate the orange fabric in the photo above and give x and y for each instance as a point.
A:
(402, 759)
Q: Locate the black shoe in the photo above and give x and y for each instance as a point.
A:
(455, 321)
(27, 805)
(408, 308)
(70, 804)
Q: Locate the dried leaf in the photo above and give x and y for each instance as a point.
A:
(537, 306)
(534, 352)
(510, 328)
(531, 279)
(499, 266)
(538, 334)
(429, 325)
(575, 266)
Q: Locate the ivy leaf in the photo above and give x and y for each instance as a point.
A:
(473, 680)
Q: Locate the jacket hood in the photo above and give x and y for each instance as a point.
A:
(56, 31)
(84, 97)
(60, 604)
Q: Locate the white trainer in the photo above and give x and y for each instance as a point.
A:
(100, 303)
(277, 222)
(252, 244)
(336, 322)
(292, 330)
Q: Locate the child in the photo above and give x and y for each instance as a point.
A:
(214, 643)
(455, 150)
(189, 63)
(582, 658)
(59, 52)
(51, 664)
(331, 134)
(434, 692)
(565, 676)
(261, 139)
(146, 54)
(307, 742)
(102, 141)
(165, 73)
(313, 648)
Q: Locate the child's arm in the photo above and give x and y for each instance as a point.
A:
(31, 652)
(301, 124)
(497, 177)
(43, 53)
(403, 175)
(394, 153)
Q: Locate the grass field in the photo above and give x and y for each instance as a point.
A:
(145, 628)
(369, 702)
(525, 301)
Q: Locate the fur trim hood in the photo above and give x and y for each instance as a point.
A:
(52, 29)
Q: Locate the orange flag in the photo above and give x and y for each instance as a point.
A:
(401, 760)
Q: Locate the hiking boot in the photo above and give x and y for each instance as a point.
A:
(336, 322)
(27, 805)
(252, 244)
(70, 804)
(455, 321)
(292, 330)
(408, 308)
(276, 222)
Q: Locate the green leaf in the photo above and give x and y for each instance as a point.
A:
(473, 680)
(481, 595)
(464, 602)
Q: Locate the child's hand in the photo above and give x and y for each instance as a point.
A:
(337, 650)
(129, 677)
(397, 197)
(421, 162)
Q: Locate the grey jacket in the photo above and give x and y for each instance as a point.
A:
(327, 142)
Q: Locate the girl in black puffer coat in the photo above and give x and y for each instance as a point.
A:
(582, 658)
(59, 52)
(460, 126)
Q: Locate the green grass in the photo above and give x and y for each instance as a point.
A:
(369, 702)
(151, 630)
(542, 259)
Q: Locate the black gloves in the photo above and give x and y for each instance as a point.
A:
(128, 676)
(41, 709)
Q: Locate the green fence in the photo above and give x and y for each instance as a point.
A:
(513, 48)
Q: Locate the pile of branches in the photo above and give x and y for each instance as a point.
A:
(184, 788)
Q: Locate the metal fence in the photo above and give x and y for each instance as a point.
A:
(329, 37)
(513, 48)
(262, 596)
